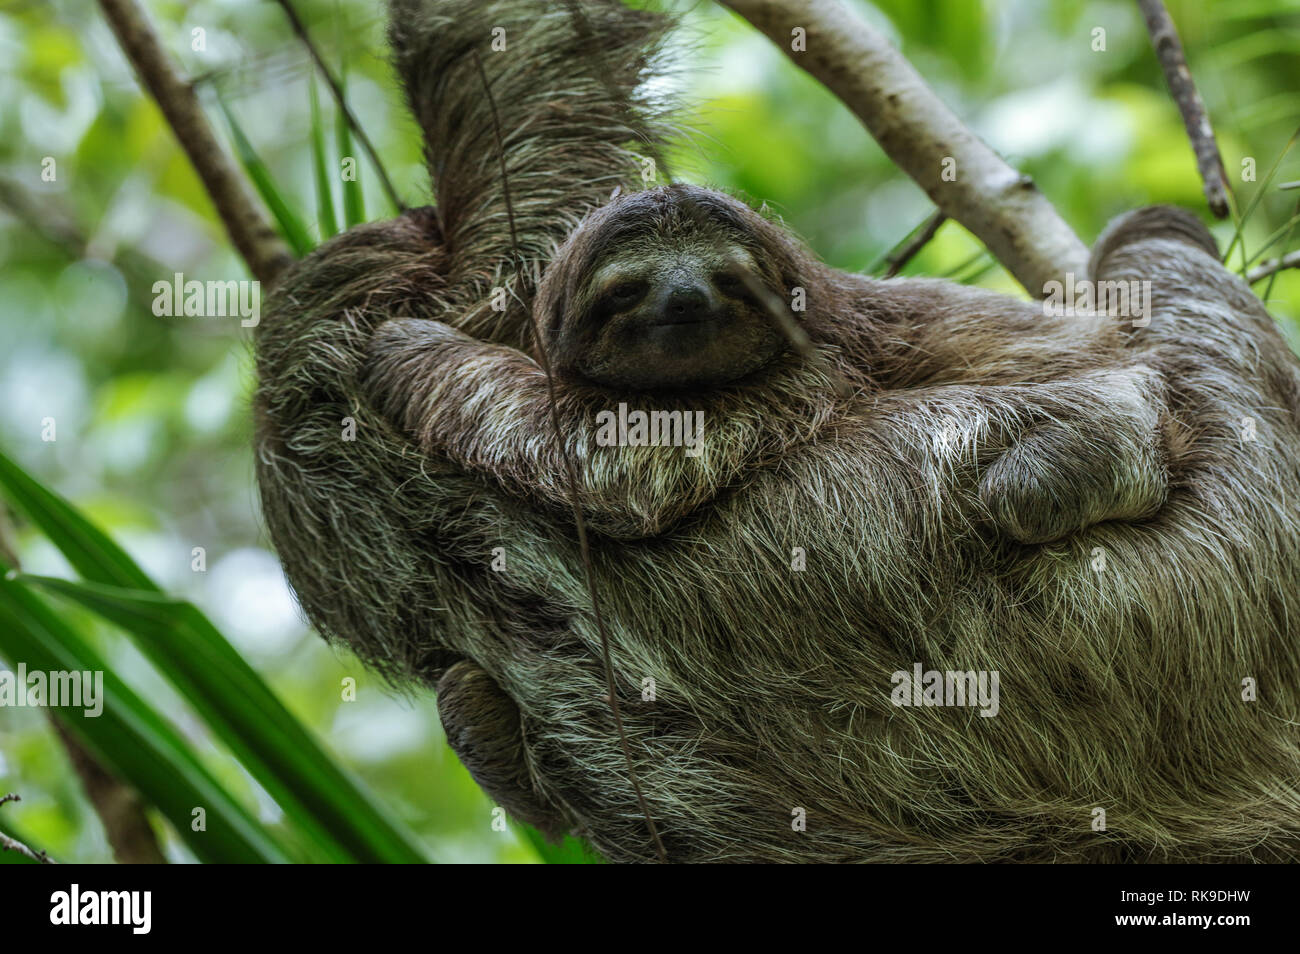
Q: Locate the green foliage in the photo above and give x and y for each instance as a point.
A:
(569, 850)
(130, 739)
(324, 192)
(290, 226)
(354, 207)
(340, 821)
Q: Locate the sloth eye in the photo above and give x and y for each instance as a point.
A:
(728, 283)
(626, 293)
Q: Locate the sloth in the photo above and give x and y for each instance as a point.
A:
(663, 316)
(1100, 514)
(650, 299)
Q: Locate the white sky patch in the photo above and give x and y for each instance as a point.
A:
(1035, 121)
(211, 400)
(248, 599)
(380, 728)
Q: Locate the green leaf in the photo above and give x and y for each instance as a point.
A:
(315, 792)
(131, 739)
(354, 206)
(324, 192)
(291, 228)
(313, 789)
(1262, 189)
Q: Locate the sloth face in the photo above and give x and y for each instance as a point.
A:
(674, 319)
(663, 295)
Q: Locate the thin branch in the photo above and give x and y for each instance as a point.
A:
(337, 90)
(250, 231)
(48, 219)
(51, 224)
(899, 258)
(964, 178)
(118, 806)
(1169, 50)
(13, 844)
(1272, 266)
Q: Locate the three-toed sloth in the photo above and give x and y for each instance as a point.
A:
(1102, 518)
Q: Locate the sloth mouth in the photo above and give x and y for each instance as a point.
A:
(675, 320)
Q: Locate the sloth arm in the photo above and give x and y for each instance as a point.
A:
(487, 408)
(1076, 427)
(1111, 455)
(1064, 464)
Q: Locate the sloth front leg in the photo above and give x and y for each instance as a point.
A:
(487, 408)
(1104, 460)
(483, 728)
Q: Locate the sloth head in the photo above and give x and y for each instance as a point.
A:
(655, 291)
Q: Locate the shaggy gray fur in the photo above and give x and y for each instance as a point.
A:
(952, 511)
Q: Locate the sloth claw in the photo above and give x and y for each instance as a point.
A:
(1052, 485)
(483, 728)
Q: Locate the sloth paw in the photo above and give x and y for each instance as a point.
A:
(1053, 484)
(483, 728)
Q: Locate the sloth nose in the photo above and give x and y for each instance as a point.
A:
(685, 302)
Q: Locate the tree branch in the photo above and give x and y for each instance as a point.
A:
(898, 258)
(13, 844)
(118, 806)
(1265, 269)
(252, 235)
(1001, 207)
(1169, 50)
(46, 218)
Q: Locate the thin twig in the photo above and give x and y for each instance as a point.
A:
(13, 844)
(960, 173)
(337, 90)
(51, 224)
(572, 473)
(256, 241)
(1169, 50)
(778, 312)
(1272, 266)
(898, 259)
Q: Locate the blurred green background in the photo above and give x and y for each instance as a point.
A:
(152, 413)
